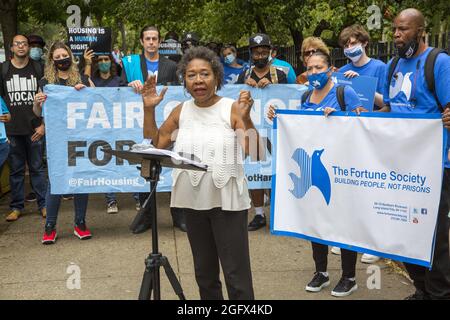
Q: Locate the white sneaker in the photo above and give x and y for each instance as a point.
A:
(336, 251)
(368, 258)
(112, 208)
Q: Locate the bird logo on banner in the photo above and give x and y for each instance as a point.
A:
(312, 173)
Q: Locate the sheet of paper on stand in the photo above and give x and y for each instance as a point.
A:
(149, 149)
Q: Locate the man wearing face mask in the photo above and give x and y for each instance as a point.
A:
(37, 45)
(18, 86)
(232, 66)
(417, 85)
(354, 40)
(260, 75)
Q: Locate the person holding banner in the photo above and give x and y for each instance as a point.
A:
(260, 75)
(324, 97)
(419, 82)
(354, 41)
(61, 69)
(136, 68)
(216, 201)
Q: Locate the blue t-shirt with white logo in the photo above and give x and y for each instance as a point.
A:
(231, 74)
(350, 97)
(374, 68)
(408, 91)
(152, 67)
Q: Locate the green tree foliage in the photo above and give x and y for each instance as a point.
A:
(227, 21)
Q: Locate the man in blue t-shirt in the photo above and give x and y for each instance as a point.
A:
(136, 69)
(354, 40)
(407, 92)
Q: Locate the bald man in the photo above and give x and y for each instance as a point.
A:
(412, 95)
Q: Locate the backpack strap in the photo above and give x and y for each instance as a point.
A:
(429, 73)
(392, 68)
(273, 75)
(38, 69)
(340, 97)
(5, 68)
(247, 74)
(305, 96)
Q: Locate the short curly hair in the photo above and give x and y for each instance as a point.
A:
(205, 54)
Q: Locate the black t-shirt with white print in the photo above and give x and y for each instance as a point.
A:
(20, 87)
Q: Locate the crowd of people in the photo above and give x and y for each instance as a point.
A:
(212, 207)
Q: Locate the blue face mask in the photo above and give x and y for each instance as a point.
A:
(36, 54)
(355, 53)
(229, 58)
(319, 80)
(104, 66)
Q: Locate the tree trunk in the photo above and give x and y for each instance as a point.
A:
(8, 14)
(124, 39)
(260, 23)
(297, 36)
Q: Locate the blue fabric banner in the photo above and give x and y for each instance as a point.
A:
(80, 123)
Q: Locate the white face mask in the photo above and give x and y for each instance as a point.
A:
(355, 53)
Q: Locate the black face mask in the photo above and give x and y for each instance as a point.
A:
(261, 63)
(409, 49)
(63, 64)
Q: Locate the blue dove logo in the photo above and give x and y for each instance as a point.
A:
(312, 173)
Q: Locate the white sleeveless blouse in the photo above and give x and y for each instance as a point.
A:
(207, 134)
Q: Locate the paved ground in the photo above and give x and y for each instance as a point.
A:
(112, 262)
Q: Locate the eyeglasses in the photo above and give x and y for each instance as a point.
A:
(307, 53)
(20, 43)
(261, 54)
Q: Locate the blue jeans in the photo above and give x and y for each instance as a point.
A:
(4, 151)
(111, 197)
(80, 202)
(21, 150)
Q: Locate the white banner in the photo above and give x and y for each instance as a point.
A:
(367, 183)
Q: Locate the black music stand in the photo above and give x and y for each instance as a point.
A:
(150, 169)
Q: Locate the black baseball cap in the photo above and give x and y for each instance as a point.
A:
(190, 36)
(259, 40)
(35, 39)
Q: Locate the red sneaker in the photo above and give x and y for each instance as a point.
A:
(49, 236)
(82, 232)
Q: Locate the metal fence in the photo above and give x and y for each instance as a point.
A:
(383, 51)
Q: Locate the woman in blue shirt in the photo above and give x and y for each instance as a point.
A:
(324, 98)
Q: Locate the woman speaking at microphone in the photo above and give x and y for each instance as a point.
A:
(209, 127)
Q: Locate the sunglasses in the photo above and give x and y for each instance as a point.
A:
(309, 52)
